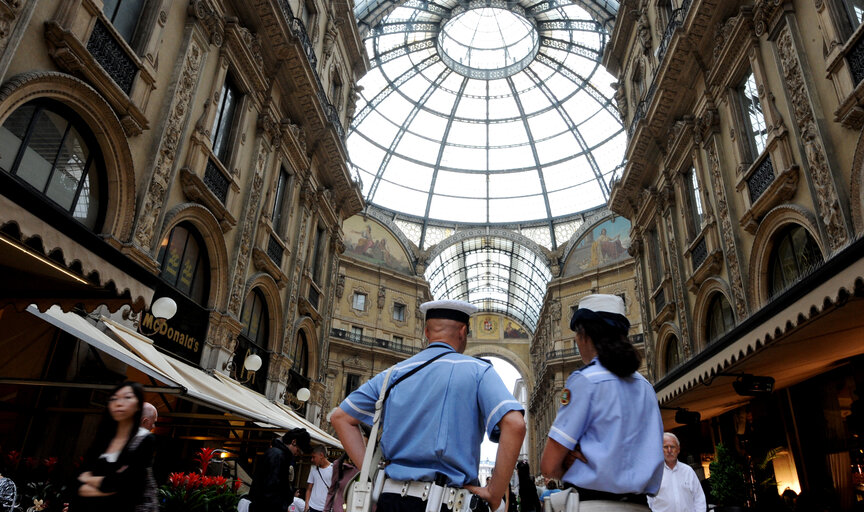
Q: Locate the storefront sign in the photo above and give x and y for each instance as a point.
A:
(184, 334)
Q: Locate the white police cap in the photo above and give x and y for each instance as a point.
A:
(450, 309)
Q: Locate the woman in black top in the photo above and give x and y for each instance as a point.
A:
(116, 469)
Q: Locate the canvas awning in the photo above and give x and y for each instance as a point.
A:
(79, 327)
(811, 328)
(216, 389)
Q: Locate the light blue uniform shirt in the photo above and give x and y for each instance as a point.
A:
(434, 420)
(616, 422)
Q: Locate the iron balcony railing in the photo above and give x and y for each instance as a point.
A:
(635, 339)
(369, 341)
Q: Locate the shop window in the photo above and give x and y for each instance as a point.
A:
(183, 263)
(399, 312)
(795, 255)
(697, 214)
(756, 132)
(253, 339)
(720, 319)
(352, 382)
(50, 149)
(359, 301)
(281, 202)
(672, 354)
(223, 122)
(124, 15)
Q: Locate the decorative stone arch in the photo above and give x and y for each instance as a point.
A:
(482, 349)
(208, 227)
(856, 187)
(307, 325)
(777, 219)
(667, 331)
(100, 118)
(268, 287)
(706, 292)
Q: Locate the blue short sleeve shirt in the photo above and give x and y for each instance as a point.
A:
(617, 424)
(434, 420)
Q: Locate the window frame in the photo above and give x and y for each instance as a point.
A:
(202, 262)
(718, 299)
(224, 152)
(281, 201)
(363, 302)
(751, 145)
(400, 308)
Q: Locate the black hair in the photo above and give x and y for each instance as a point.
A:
(527, 490)
(108, 427)
(301, 436)
(614, 350)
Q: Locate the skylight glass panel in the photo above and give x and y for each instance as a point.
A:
(460, 184)
(514, 184)
(563, 175)
(480, 38)
(514, 210)
(400, 198)
(576, 198)
(458, 209)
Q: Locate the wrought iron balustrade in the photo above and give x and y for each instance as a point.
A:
(275, 250)
(855, 58)
(761, 179)
(699, 253)
(109, 53)
(216, 181)
(369, 341)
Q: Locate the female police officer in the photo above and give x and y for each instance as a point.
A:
(607, 438)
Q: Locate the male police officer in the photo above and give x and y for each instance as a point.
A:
(434, 421)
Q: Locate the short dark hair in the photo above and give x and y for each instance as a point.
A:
(301, 436)
(319, 448)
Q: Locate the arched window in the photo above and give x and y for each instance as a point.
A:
(183, 263)
(253, 340)
(794, 255)
(301, 355)
(672, 354)
(720, 319)
(46, 146)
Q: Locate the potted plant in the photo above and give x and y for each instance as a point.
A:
(197, 492)
(727, 481)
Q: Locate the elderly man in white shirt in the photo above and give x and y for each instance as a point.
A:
(680, 490)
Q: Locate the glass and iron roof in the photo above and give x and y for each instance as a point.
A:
(493, 273)
(487, 112)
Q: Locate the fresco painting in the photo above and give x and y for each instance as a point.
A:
(604, 244)
(368, 241)
(512, 330)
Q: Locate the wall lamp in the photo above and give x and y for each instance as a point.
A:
(296, 402)
(251, 364)
(162, 310)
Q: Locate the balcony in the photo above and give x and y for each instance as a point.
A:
(369, 341)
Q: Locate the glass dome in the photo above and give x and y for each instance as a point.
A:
(486, 112)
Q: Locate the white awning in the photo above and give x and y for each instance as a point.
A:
(217, 390)
(85, 331)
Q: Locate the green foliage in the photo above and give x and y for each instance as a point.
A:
(727, 479)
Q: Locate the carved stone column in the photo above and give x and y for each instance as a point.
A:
(299, 262)
(157, 188)
(248, 226)
(830, 213)
(665, 199)
(221, 340)
(636, 251)
(336, 286)
(724, 216)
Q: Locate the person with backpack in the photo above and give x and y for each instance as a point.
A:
(272, 487)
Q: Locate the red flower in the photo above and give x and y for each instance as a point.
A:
(205, 455)
(31, 462)
(176, 479)
(49, 463)
(237, 484)
(13, 457)
(193, 480)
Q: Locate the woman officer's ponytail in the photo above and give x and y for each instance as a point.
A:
(614, 350)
